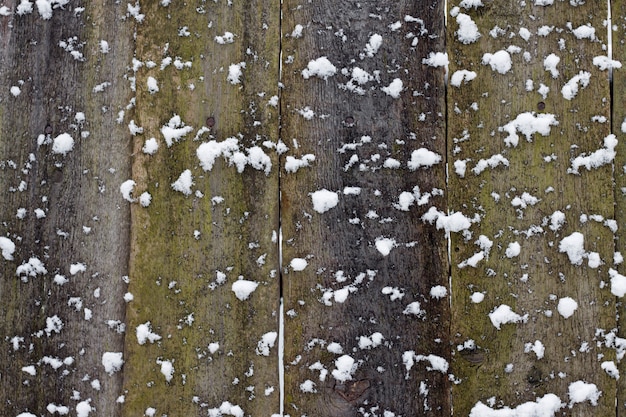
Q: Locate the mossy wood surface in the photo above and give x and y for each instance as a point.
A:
(618, 11)
(54, 336)
(351, 298)
(187, 251)
(501, 365)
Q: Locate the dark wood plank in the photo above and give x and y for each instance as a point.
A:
(55, 62)
(354, 303)
(188, 251)
(543, 354)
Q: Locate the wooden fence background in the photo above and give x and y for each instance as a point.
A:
(312, 208)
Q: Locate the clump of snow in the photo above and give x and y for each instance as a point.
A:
(472, 260)
(477, 297)
(573, 245)
(227, 37)
(308, 386)
(524, 200)
(618, 283)
(345, 368)
(63, 144)
(324, 200)
(394, 89)
(468, 30)
(610, 368)
(145, 199)
(174, 130)
(243, 288)
(297, 31)
(153, 86)
(112, 362)
(266, 343)
(373, 44)
(513, 250)
(499, 61)
(536, 347)
(550, 62)
(126, 189)
(438, 292)
(462, 76)
(454, 222)
(581, 391)
(32, 268)
(7, 247)
(83, 408)
(208, 152)
(167, 369)
(235, 73)
(184, 182)
(294, 164)
(546, 406)
(144, 334)
(503, 314)
(604, 63)
(436, 59)
(583, 31)
(528, 124)
(491, 162)
(597, 158)
(567, 306)
(415, 309)
(384, 245)
(15, 91)
(226, 408)
(298, 264)
(320, 67)
(570, 89)
(423, 158)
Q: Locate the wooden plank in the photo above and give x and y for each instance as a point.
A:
(54, 334)
(618, 12)
(187, 251)
(363, 334)
(529, 195)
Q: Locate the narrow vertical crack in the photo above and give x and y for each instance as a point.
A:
(281, 318)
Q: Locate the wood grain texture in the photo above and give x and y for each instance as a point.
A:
(187, 251)
(345, 295)
(618, 107)
(533, 282)
(81, 220)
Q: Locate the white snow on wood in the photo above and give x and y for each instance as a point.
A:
(567, 306)
(345, 368)
(618, 283)
(546, 406)
(394, 89)
(298, 264)
(112, 362)
(7, 247)
(144, 334)
(384, 245)
(468, 30)
(320, 67)
(126, 188)
(436, 59)
(570, 89)
(491, 162)
(472, 260)
(32, 268)
(153, 85)
(235, 73)
(503, 314)
(324, 200)
(538, 348)
(266, 343)
(581, 391)
(243, 288)
(174, 130)
(423, 158)
(528, 124)
(574, 246)
(62, 144)
(227, 37)
(184, 182)
(454, 222)
(373, 45)
(167, 369)
(499, 61)
(596, 159)
(550, 62)
(461, 76)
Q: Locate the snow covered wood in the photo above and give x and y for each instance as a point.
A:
(65, 232)
(532, 311)
(364, 278)
(203, 321)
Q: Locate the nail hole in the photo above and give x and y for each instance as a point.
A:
(210, 121)
(541, 105)
(48, 129)
(349, 121)
(457, 249)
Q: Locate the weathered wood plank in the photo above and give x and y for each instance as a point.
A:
(512, 152)
(618, 11)
(363, 332)
(191, 245)
(59, 206)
